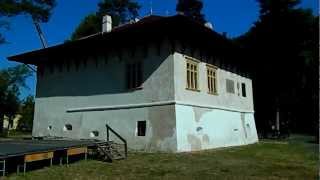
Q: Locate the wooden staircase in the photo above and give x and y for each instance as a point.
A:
(110, 150)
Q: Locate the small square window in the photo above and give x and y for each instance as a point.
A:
(141, 128)
(230, 86)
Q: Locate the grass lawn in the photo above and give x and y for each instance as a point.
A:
(292, 159)
(15, 135)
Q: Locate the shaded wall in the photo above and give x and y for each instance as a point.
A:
(100, 85)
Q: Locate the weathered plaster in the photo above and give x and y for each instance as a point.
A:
(216, 128)
(178, 120)
(67, 97)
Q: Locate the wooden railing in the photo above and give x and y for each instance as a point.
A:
(109, 129)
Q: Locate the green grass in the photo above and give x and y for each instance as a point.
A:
(13, 134)
(293, 159)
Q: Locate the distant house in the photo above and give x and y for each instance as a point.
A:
(163, 83)
(13, 125)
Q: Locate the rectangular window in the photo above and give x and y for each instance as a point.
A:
(141, 128)
(212, 80)
(134, 75)
(230, 86)
(244, 92)
(192, 75)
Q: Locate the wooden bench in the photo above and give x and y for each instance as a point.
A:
(35, 157)
(76, 151)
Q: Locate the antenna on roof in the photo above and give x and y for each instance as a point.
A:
(151, 7)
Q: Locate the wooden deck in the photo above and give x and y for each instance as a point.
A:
(40, 150)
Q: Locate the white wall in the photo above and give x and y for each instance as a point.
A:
(103, 85)
(223, 100)
(205, 121)
(205, 128)
(177, 119)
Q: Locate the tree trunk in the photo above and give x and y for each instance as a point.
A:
(9, 125)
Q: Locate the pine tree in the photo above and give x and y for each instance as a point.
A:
(121, 11)
(39, 10)
(192, 9)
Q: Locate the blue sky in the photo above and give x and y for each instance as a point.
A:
(232, 16)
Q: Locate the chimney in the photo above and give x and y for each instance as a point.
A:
(106, 24)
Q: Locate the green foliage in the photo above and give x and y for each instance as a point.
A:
(11, 81)
(91, 24)
(121, 11)
(40, 10)
(284, 59)
(192, 9)
(27, 112)
(276, 7)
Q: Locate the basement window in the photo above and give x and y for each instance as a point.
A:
(94, 134)
(134, 75)
(141, 128)
(67, 127)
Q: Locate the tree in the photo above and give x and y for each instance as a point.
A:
(11, 81)
(271, 7)
(284, 62)
(27, 113)
(40, 10)
(121, 11)
(91, 24)
(192, 9)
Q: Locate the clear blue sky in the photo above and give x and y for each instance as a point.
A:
(232, 16)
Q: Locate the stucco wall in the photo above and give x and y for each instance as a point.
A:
(205, 121)
(223, 100)
(206, 128)
(101, 87)
(177, 119)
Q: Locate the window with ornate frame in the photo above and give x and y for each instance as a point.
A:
(212, 79)
(192, 75)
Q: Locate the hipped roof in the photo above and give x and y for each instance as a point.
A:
(151, 28)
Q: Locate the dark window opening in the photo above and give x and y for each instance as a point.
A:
(60, 66)
(51, 67)
(68, 127)
(142, 125)
(134, 75)
(94, 134)
(41, 70)
(243, 87)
